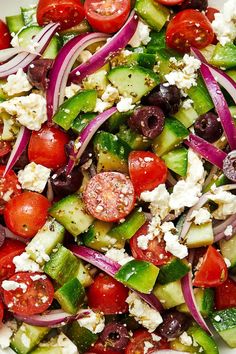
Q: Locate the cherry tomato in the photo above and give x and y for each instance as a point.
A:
(8, 251)
(213, 270)
(1, 312)
(225, 295)
(47, 147)
(109, 196)
(189, 28)
(170, 2)
(68, 12)
(9, 187)
(26, 213)
(5, 37)
(210, 13)
(107, 295)
(107, 15)
(99, 348)
(5, 146)
(137, 343)
(146, 171)
(34, 294)
(155, 252)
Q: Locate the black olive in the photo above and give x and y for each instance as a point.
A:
(229, 166)
(115, 336)
(149, 121)
(38, 72)
(200, 5)
(208, 127)
(63, 183)
(165, 96)
(174, 324)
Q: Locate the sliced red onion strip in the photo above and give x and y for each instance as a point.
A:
(6, 54)
(114, 45)
(18, 148)
(221, 105)
(86, 135)
(62, 66)
(206, 150)
(6, 233)
(219, 235)
(210, 176)
(222, 225)
(111, 268)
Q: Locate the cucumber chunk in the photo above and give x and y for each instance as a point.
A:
(47, 350)
(153, 13)
(202, 102)
(228, 250)
(82, 121)
(224, 322)
(177, 160)
(204, 340)
(158, 41)
(224, 56)
(29, 15)
(117, 119)
(200, 235)
(70, 296)
(14, 23)
(82, 337)
(204, 299)
(172, 271)
(170, 295)
(186, 116)
(134, 140)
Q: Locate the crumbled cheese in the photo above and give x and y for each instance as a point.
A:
(125, 104)
(71, 90)
(147, 346)
(200, 216)
(226, 203)
(66, 345)
(13, 285)
(17, 83)
(34, 177)
(24, 264)
(185, 339)
(119, 255)
(187, 103)
(38, 249)
(155, 337)
(95, 322)
(111, 94)
(227, 262)
(37, 277)
(5, 336)
(228, 231)
(84, 56)
(217, 318)
(29, 111)
(141, 35)
(172, 241)
(101, 105)
(158, 199)
(143, 313)
(143, 241)
(25, 340)
(224, 24)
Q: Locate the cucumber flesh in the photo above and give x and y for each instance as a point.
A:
(170, 295)
(202, 102)
(224, 56)
(200, 235)
(177, 160)
(228, 250)
(153, 13)
(172, 271)
(70, 296)
(204, 340)
(187, 116)
(15, 23)
(29, 15)
(204, 299)
(224, 322)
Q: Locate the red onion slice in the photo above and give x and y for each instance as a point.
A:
(6, 54)
(114, 45)
(2, 235)
(18, 148)
(86, 135)
(219, 235)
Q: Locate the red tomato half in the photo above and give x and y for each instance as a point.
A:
(33, 296)
(99, 348)
(189, 28)
(47, 147)
(170, 2)
(213, 270)
(225, 295)
(155, 252)
(146, 170)
(8, 251)
(26, 213)
(9, 187)
(68, 12)
(107, 295)
(137, 343)
(107, 15)
(5, 37)
(1, 312)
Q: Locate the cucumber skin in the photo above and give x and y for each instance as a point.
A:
(172, 271)
(153, 13)
(204, 340)
(177, 160)
(81, 337)
(34, 333)
(70, 296)
(224, 56)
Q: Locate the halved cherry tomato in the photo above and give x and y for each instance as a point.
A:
(189, 28)
(137, 343)
(8, 251)
(107, 295)
(107, 15)
(109, 196)
(67, 12)
(47, 147)
(9, 187)
(34, 294)
(1, 312)
(146, 171)
(210, 13)
(26, 213)
(99, 348)
(155, 252)
(5, 37)
(170, 2)
(213, 270)
(225, 295)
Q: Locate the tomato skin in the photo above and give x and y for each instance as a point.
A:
(170, 2)
(225, 295)
(100, 18)
(210, 13)
(107, 295)
(189, 28)
(5, 147)
(8, 251)
(155, 253)
(47, 147)
(213, 270)
(98, 348)
(68, 12)
(29, 301)
(1, 312)
(137, 343)
(5, 37)
(146, 171)
(26, 213)
(8, 183)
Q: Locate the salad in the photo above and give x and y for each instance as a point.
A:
(118, 177)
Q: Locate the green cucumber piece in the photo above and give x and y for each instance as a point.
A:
(224, 56)
(118, 118)
(82, 121)
(70, 296)
(134, 81)
(172, 271)
(200, 235)
(81, 337)
(29, 15)
(204, 340)
(228, 250)
(177, 160)
(176, 344)
(45, 240)
(70, 212)
(154, 14)
(224, 322)
(172, 135)
(170, 295)
(158, 40)
(186, 116)
(204, 299)
(219, 181)
(146, 60)
(14, 23)
(27, 337)
(202, 102)
(139, 275)
(127, 229)
(97, 81)
(84, 101)
(134, 140)
(47, 350)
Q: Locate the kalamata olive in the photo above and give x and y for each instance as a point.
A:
(229, 166)
(22, 161)
(148, 120)
(174, 324)
(63, 183)
(115, 336)
(200, 5)
(165, 96)
(208, 127)
(38, 72)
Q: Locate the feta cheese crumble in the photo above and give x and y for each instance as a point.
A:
(111, 94)
(228, 231)
(141, 35)
(226, 203)
(13, 285)
(119, 255)
(5, 336)
(34, 177)
(101, 105)
(172, 241)
(224, 24)
(71, 90)
(200, 216)
(95, 322)
(185, 339)
(158, 199)
(187, 103)
(17, 83)
(125, 104)
(24, 264)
